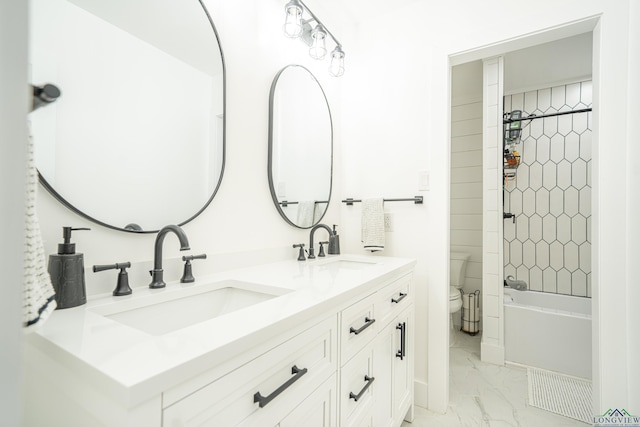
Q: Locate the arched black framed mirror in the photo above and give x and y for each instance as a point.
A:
(136, 141)
(300, 147)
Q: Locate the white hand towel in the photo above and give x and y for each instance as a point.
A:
(373, 224)
(306, 209)
(318, 212)
(39, 295)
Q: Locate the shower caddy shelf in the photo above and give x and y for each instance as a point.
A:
(511, 162)
(511, 137)
(511, 132)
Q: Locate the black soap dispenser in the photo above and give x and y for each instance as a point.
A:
(67, 272)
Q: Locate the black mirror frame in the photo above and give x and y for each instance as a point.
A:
(64, 202)
(270, 149)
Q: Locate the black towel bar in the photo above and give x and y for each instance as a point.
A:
(417, 200)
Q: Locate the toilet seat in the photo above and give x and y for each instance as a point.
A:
(455, 299)
(457, 272)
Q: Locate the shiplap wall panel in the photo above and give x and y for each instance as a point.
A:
(466, 188)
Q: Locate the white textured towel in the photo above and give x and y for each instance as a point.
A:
(373, 224)
(306, 212)
(318, 211)
(39, 295)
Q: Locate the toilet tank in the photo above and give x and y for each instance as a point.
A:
(458, 268)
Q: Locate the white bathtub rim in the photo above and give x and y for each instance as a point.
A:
(510, 293)
(566, 313)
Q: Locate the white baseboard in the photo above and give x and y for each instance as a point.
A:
(420, 394)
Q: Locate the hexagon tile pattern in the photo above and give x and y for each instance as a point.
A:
(549, 245)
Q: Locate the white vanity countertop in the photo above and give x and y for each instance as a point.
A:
(133, 366)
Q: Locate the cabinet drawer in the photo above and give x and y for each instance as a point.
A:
(265, 389)
(357, 327)
(317, 410)
(356, 388)
(392, 299)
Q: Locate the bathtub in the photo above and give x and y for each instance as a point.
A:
(548, 331)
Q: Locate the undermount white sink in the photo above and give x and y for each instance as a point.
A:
(164, 313)
(347, 264)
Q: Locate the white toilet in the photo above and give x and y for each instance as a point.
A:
(457, 272)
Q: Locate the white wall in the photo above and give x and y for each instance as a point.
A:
(633, 244)
(405, 121)
(13, 137)
(385, 134)
(242, 217)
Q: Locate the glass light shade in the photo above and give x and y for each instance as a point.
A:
(293, 20)
(337, 62)
(318, 48)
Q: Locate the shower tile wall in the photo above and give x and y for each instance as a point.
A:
(549, 246)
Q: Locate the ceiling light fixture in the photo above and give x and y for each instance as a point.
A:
(315, 37)
(337, 62)
(293, 22)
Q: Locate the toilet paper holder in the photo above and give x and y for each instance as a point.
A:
(470, 313)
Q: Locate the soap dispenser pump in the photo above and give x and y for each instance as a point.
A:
(67, 272)
(334, 242)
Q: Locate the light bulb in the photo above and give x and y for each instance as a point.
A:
(318, 49)
(293, 20)
(337, 62)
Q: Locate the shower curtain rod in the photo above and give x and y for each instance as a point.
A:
(534, 116)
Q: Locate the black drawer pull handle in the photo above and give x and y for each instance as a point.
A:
(400, 298)
(402, 353)
(264, 401)
(357, 397)
(367, 322)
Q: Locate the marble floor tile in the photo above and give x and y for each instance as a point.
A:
(486, 395)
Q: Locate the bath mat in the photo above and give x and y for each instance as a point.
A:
(561, 394)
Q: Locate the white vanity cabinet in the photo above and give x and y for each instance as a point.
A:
(283, 383)
(374, 369)
(376, 386)
(335, 351)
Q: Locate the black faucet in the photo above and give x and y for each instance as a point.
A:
(157, 272)
(334, 241)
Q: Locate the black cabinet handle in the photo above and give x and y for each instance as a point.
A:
(369, 381)
(264, 401)
(403, 332)
(400, 298)
(367, 322)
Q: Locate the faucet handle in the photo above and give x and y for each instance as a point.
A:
(321, 251)
(187, 275)
(301, 256)
(122, 286)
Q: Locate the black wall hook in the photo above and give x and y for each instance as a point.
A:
(44, 95)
